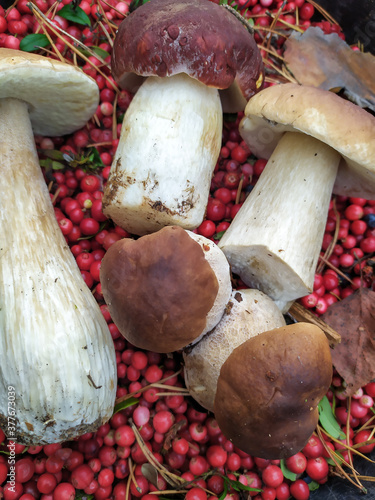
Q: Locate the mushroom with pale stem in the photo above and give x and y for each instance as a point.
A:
(58, 364)
(165, 290)
(248, 313)
(317, 143)
(183, 51)
(269, 389)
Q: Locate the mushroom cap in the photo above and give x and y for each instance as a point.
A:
(269, 389)
(196, 37)
(248, 313)
(160, 289)
(61, 97)
(342, 125)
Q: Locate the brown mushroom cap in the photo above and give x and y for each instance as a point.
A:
(344, 126)
(159, 289)
(269, 389)
(196, 37)
(248, 313)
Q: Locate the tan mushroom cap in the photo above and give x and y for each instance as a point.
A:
(159, 289)
(61, 97)
(342, 125)
(196, 37)
(248, 313)
(269, 390)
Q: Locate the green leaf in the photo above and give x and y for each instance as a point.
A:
(34, 42)
(97, 161)
(97, 50)
(125, 404)
(54, 154)
(81, 495)
(328, 420)
(287, 473)
(134, 4)
(313, 485)
(219, 235)
(75, 15)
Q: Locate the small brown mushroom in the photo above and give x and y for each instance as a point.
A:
(167, 289)
(248, 313)
(269, 389)
(316, 142)
(183, 51)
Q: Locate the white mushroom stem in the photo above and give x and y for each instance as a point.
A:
(274, 241)
(58, 357)
(169, 145)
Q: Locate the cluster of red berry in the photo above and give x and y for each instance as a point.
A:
(164, 422)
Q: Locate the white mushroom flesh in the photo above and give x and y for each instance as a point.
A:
(169, 145)
(274, 241)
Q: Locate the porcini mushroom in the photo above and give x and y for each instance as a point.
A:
(269, 389)
(183, 51)
(248, 313)
(317, 143)
(166, 289)
(58, 365)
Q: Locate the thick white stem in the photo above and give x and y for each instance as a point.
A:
(169, 145)
(55, 347)
(274, 241)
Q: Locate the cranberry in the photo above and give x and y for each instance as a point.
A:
(215, 209)
(299, 489)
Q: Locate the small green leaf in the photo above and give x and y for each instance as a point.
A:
(125, 404)
(54, 154)
(34, 42)
(313, 485)
(219, 235)
(328, 420)
(134, 4)
(75, 15)
(287, 473)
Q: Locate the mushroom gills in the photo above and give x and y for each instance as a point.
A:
(169, 145)
(274, 240)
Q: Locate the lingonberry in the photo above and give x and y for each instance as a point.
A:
(198, 465)
(46, 483)
(207, 229)
(299, 490)
(313, 448)
(317, 468)
(272, 476)
(296, 463)
(215, 209)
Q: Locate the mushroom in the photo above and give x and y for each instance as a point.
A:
(183, 51)
(248, 313)
(316, 143)
(58, 365)
(269, 389)
(166, 289)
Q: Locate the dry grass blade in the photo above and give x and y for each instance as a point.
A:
(323, 12)
(57, 30)
(333, 242)
(171, 478)
(157, 385)
(338, 460)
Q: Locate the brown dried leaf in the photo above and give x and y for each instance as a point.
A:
(327, 62)
(354, 319)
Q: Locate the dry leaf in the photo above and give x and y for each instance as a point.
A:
(354, 319)
(327, 62)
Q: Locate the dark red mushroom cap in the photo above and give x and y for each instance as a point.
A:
(197, 37)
